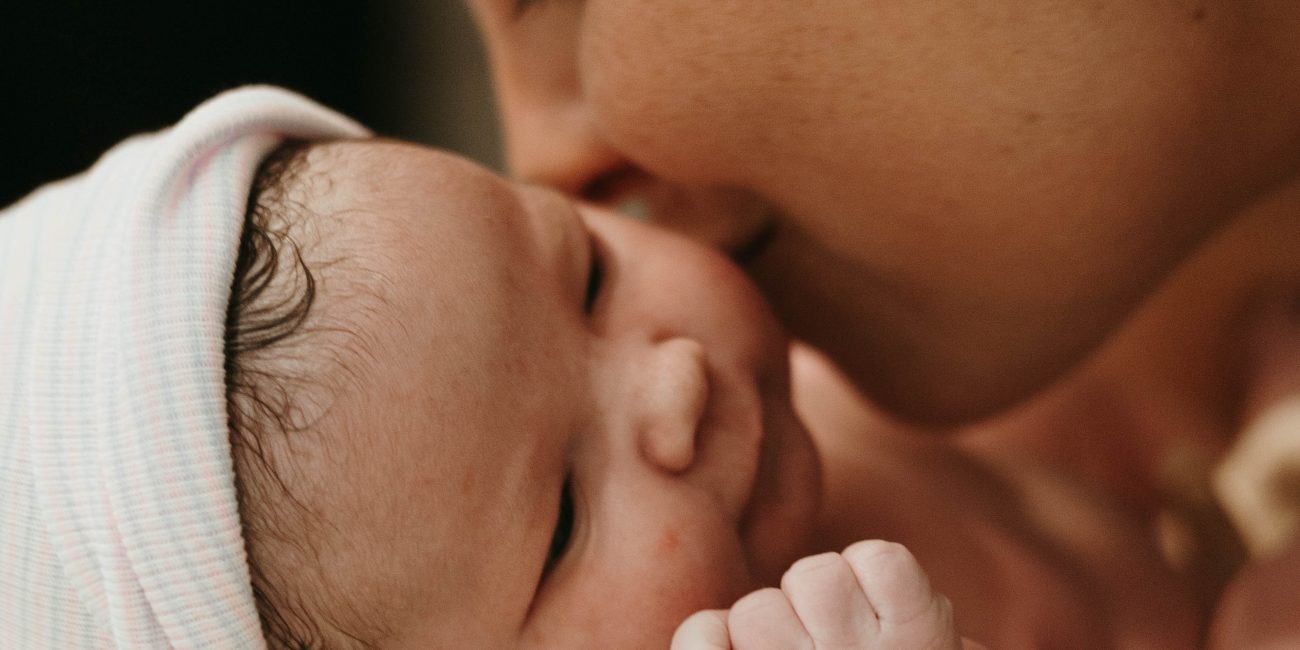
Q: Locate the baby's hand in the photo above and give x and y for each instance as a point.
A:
(873, 595)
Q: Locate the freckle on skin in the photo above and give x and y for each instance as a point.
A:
(1032, 117)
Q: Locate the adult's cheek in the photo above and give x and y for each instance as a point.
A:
(683, 89)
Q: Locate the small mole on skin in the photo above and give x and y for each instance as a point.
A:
(668, 542)
(1199, 14)
(1033, 117)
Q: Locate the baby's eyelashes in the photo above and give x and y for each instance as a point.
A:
(563, 529)
(595, 277)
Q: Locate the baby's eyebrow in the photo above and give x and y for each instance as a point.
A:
(558, 232)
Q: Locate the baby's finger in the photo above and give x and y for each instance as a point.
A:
(911, 613)
(892, 579)
(703, 630)
(826, 596)
(764, 620)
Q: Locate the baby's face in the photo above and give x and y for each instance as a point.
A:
(540, 425)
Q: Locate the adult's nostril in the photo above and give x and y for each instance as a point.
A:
(611, 185)
(622, 189)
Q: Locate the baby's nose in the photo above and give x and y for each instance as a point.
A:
(672, 400)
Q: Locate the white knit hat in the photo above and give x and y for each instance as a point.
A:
(119, 526)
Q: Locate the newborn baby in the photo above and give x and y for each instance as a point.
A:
(438, 409)
(473, 414)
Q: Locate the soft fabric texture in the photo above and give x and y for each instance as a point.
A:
(119, 526)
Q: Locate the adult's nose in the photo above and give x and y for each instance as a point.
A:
(671, 402)
(552, 134)
(552, 137)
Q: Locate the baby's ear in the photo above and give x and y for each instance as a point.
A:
(1258, 481)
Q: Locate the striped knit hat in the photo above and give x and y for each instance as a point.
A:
(119, 526)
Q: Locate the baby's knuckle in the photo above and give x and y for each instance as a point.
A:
(815, 567)
(879, 552)
(757, 604)
(703, 630)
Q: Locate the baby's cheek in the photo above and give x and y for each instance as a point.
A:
(678, 567)
(700, 560)
(670, 541)
(636, 593)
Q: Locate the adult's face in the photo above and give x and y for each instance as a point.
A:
(956, 201)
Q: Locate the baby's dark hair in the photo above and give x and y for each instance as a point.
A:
(271, 298)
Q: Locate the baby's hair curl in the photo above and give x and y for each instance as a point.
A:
(272, 294)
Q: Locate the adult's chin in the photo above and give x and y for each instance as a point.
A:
(923, 359)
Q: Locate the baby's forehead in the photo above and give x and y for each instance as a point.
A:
(396, 196)
(390, 165)
(428, 292)
(430, 266)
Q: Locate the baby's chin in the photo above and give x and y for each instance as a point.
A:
(777, 527)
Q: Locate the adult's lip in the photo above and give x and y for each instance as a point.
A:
(734, 221)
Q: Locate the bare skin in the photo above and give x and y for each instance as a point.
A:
(1145, 420)
(1209, 359)
(657, 398)
(1048, 222)
(1032, 552)
(965, 203)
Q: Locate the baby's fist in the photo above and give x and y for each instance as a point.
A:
(873, 595)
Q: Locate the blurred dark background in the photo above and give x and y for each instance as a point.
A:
(76, 77)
